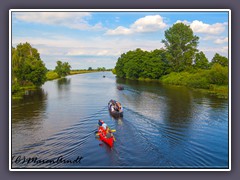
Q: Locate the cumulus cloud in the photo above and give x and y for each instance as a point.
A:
(201, 27)
(221, 40)
(146, 24)
(58, 45)
(73, 20)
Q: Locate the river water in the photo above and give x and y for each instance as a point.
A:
(162, 127)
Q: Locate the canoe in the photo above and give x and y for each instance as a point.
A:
(103, 137)
(114, 113)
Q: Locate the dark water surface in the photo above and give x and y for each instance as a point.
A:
(162, 127)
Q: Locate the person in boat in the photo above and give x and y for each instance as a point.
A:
(119, 107)
(104, 129)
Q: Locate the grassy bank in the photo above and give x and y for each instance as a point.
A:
(205, 80)
(51, 75)
(19, 91)
(73, 72)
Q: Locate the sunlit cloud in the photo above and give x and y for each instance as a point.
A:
(200, 27)
(73, 20)
(146, 24)
(221, 40)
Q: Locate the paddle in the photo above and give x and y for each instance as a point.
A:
(112, 130)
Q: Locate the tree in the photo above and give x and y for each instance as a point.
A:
(181, 45)
(201, 61)
(101, 69)
(220, 60)
(62, 69)
(35, 71)
(142, 64)
(90, 69)
(27, 66)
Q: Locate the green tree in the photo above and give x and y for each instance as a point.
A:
(90, 69)
(101, 69)
(27, 66)
(62, 69)
(142, 64)
(181, 45)
(201, 61)
(35, 71)
(220, 60)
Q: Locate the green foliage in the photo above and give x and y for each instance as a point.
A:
(205, 79)
(62, 69)
(90, 69)
(35, 71)
(101, 69)
(201, 61)
(114, 71)
(51, 75)
(15, 88)
(142, 64)
(181, 45)
(220, 60)
(218, 75)
(27, 67)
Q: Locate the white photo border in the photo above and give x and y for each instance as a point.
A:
(120, 10)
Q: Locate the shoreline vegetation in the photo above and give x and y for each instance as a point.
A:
(178, 63)
(221, 91)
(50, 75)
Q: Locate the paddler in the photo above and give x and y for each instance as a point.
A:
(104, 129)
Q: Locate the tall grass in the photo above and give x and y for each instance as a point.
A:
(214, 79)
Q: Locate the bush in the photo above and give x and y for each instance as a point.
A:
(51, 75)
(218, 75)
(15, 88)
(198, 80)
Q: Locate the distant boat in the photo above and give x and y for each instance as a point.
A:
(120, 87)
(104, 76)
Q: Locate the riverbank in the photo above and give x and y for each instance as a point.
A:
(51, 75)
(198, 81)
(20, 91)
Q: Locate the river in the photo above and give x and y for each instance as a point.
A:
(163, 126)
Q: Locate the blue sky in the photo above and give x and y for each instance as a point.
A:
(97, 39)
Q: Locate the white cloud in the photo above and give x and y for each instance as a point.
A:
(146, 24)
(221, 40)
(221, 50)
(73, 20)
(58, 45)
(211, 51)
(120, 30)
(200, 27)
(184, 22)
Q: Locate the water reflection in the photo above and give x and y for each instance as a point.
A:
(180, 105)
(28, 115)
(63, 84)
(30, 107)
(172, 126)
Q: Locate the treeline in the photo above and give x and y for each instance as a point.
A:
(27, 67)
(180, 62)
(29, 71)
(98, 69)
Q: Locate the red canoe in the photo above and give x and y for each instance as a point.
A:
(103, 137)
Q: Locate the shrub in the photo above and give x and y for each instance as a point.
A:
(218, 75)
(51, 75)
